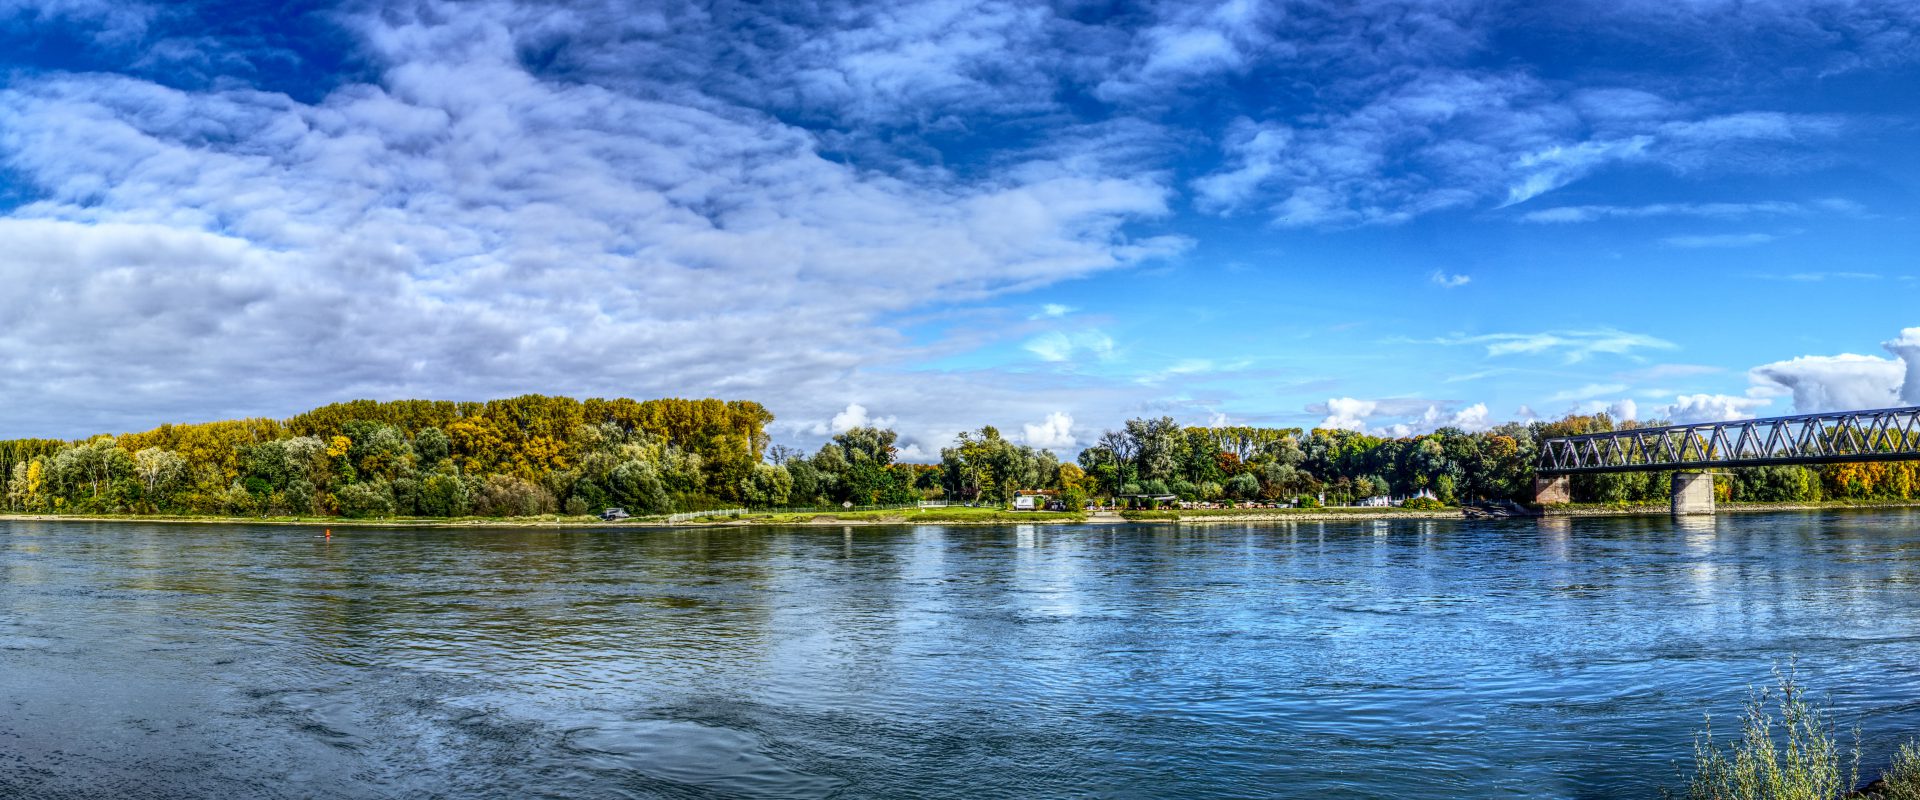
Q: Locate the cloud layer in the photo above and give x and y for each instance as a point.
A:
(210, 214)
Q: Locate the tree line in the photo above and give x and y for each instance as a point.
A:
(1157, 457)
(523, 456)
(535, 455)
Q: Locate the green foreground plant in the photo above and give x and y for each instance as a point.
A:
(1902, 781)
(1788, 748)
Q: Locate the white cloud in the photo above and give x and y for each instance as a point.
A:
(1189, 42)
(1819, 277)
(1257, 151)
(1667, 371)
(1417, 416)
(1053, 433)
(853, 416)
(1446, 281)
(1720, 240)
(1346, 413)
(1544, 170)
(1472, 418)
(1622, 409)
(1844, 382)
(1588, 391)
(1059, 346)
(1573, 346)
(1427, 139)
(461, 227)
(1906, 346)
(1564, 214)
(1696, 408)
(1053, 311)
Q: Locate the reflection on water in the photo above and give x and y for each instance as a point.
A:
(1561, 658)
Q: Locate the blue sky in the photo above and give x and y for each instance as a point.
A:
(1385, 216)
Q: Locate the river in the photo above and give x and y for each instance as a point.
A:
(1408, 659)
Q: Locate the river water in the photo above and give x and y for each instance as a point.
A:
(1405, 659)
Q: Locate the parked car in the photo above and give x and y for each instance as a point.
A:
(612, 514)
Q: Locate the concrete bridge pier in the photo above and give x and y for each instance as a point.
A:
(1551, 490)
(1692, 493)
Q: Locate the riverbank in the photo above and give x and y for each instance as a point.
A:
(952, 515)
(1640, 509)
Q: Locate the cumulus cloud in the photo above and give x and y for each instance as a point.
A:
(499, 197)
(1345, 413)
(1053, 433)
(1378, 417)
(460, 226)
(1696, 408)
(1622, 409)
(853, 416)
(1832, 383)
(1445, 280)
(1906, 346)
(1844, 382)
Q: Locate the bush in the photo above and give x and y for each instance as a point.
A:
(1755, 766)
(1423, 504)
(1902, 781)
(362, 500)
(507, 496)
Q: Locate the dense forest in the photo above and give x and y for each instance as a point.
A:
(536, 455)
(1155, 456)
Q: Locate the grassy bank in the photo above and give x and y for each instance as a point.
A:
(908, 516)
(951, 515)
(1627, 509)
(546, 521)
(1287, 514)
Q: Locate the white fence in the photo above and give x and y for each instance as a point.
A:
(723, 512)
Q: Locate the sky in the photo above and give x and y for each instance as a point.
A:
(1047, 217)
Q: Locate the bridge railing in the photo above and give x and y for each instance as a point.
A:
(1891, 434)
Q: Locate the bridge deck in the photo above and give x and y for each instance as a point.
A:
(1891, 434)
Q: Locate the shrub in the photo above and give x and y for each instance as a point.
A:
(362, 500)
(1423, 504)
(507, 496)
(1902, 781)
(1755, 765)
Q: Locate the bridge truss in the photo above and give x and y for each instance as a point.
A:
(1891, 434)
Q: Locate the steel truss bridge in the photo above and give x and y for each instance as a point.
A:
(1890, 434)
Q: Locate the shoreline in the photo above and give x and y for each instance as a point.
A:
(824, 519)
(1645, 509)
